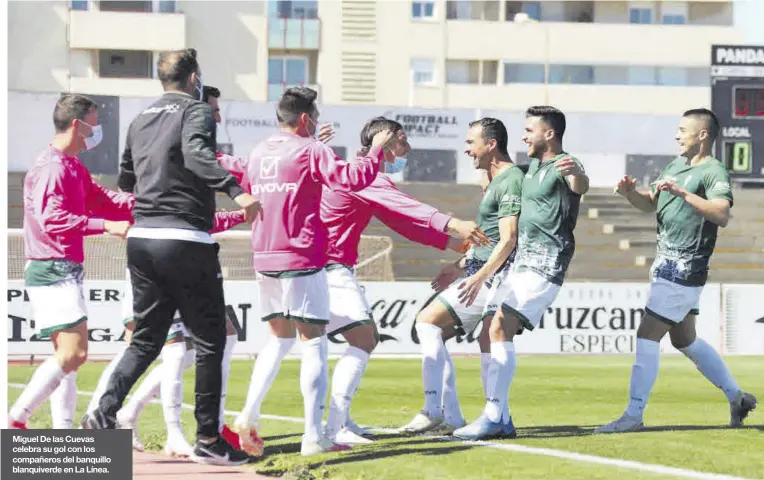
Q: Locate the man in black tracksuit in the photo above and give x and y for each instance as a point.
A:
(170, 164)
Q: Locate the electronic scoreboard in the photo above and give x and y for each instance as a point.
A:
(737, 98)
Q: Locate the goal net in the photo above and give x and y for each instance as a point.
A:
(105, 257)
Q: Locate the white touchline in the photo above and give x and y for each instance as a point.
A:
(579, 457)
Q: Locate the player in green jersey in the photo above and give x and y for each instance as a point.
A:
(551, 193)
(692, 198)
(471, 281)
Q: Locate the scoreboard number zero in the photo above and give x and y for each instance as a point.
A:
(739, 153)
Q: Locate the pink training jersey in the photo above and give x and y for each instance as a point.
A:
(286, 173)
(227, 220)
(62, 204)
(346, 215)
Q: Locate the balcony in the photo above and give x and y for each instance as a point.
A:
(275, 91)
(99, 30)
(586, 43)
(294, 33)
(124, 87)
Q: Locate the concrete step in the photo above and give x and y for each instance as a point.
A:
(611, 212)
(633, 228)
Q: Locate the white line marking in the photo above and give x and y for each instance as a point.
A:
(548, 452)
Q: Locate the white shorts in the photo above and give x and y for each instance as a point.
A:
(57, 307)
(671, 302)
(347, 301)
(528, 295)
(304, 298)
(467, 318)
(176, 329)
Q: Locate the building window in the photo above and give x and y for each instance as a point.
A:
(78, 5)
(640, 15)
(423, 72)
(532, 9)
(125, 64)
(674, 20)
(285, 72)
(164, 6)
(422, 9)
(523, 73)
(472, 10)
(292, 9)
(577, 74)
(472, 72)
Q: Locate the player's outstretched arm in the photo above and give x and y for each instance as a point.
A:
(643, 201)
(343, 176)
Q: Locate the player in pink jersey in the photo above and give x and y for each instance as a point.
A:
(287, 172)
(62, 205)
(346, 215)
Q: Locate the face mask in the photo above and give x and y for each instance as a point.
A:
(95, 137)
(397, 166)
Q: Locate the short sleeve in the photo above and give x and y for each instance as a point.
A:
(580, 165)
(510, 195)
(716, 183)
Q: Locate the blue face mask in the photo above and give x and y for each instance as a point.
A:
(397, 166)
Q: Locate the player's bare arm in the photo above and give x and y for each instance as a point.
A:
(716, 210)
(471, 286)
(467, 230)
(573, 174)
(643, 201)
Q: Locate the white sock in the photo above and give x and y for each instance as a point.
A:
(314, 384)
(146, 391)
(189, 359)
(103, 380)
(264, 373)
(711, 365)
(503, 365)
(485, 366)
(450, 400)
(63, 402)
(42, 384)
(230, 342)
(433, 364)
(171, 383)
(643, 376)
(345, 381)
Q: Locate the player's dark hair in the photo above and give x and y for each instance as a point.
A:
(70, 107)
(551, 116)
(294, 102)
(494, 129)
(709, 117)
(210, 92)
(175, 67)
(373, 127)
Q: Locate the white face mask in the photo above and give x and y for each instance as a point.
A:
(397, 166)
(95, 137)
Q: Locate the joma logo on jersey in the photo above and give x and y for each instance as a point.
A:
(274, 187)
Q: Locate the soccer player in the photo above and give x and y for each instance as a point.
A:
(465, 303)
(551, 194)
(288, 171)
(177, 354)
(346, 215)
(692, 198)
(62, 204)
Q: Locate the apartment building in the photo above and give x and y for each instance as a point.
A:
(587, 56)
